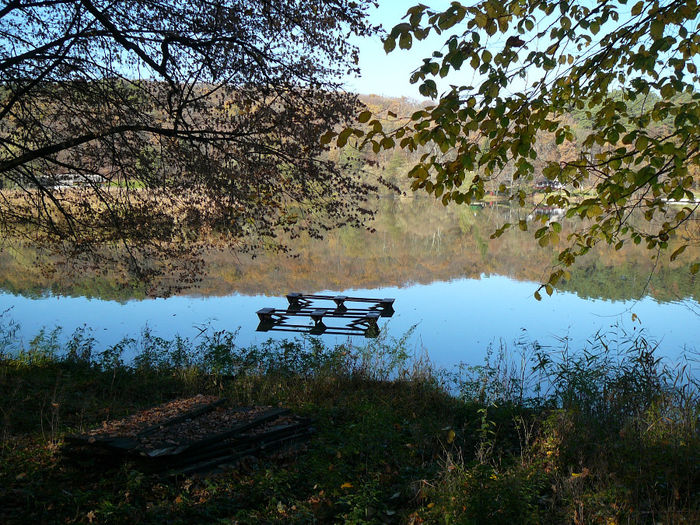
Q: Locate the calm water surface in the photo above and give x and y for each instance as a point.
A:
(460, 291)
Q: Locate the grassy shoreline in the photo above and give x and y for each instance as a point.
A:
(614, 439)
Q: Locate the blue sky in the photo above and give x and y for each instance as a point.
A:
(388, 75)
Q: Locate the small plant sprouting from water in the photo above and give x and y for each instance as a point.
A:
(508, 375)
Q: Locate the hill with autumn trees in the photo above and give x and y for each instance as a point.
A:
(410, 240)
(394, 164)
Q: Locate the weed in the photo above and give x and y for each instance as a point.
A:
(608, 434)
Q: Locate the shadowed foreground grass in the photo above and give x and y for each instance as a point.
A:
(590, 437)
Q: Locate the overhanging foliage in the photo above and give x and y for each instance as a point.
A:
(629, 68)
(170, 118)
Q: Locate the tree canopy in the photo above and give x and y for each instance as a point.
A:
(140, 124)
(515, 70)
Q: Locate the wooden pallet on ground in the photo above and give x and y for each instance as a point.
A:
(193, 435)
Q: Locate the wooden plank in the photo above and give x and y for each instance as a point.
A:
(238, 428)
(112, 444)
(265, 314)
(348, 313)
(124, 434)
(332, 330)
(215, 461)
(296, 298)
(122, 444)
(239, 440)
(212, 463)
(235, 445)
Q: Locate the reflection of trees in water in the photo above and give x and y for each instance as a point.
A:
(415, 241)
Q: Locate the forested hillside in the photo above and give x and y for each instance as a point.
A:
(395, 163)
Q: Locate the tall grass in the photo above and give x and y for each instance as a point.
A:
(608, 433)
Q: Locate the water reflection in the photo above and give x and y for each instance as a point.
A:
(462, 290)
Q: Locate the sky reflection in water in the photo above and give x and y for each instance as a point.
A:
(448, 279)
(456, 320)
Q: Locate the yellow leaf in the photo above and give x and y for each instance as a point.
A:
(431, 505)
(451, 436)
(594, 211)
(346, 485)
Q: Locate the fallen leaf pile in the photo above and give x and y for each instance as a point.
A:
(206, 425)
(132, 425)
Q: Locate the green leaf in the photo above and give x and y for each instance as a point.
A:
(667, 91)
(364, 117)
(387, 143)
(637, 8)
(389, 44)
(405, 41)
(657, 29)
(343, 137)
(327, 137)
(679, 251)
(694, 268)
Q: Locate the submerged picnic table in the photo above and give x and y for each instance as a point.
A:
(359, 321)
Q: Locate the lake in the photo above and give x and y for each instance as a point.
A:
(457, 292)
